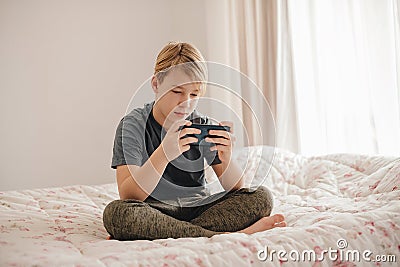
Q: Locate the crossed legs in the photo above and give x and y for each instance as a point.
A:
(242, 211)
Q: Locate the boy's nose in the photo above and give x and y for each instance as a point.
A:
(185, 101)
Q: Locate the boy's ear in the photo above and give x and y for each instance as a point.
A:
(154, 84)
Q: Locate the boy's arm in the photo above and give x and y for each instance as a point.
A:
(136, 182)
(229, 175)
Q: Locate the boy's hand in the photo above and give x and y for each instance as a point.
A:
(173, 144)
(224, 143)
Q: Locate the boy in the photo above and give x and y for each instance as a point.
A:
(158, 168)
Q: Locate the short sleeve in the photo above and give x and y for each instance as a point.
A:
(128, 144)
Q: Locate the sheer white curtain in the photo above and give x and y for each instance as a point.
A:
(253, 37)
(346, 76)
(330, 69)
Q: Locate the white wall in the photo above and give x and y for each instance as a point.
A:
(67, 72)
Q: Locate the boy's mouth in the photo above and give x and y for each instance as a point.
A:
(181, 114)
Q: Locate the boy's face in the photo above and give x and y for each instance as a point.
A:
(176, 96)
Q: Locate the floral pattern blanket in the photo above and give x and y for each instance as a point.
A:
(341, 210)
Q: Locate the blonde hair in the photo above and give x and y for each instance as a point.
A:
(184, 56)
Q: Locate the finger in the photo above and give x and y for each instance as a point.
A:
(222, 133)
(178, 124)
(175, 126)
(218, 141)
(227, 123)
(185, 148)
(188, 140)
(189, 131)
(220, 148)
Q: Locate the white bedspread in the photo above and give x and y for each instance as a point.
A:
(351, 198)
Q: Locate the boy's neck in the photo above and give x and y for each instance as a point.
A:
(159, 117)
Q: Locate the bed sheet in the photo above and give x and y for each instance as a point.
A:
(341, 202)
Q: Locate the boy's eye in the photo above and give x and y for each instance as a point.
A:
(193, 95)
(176, 92)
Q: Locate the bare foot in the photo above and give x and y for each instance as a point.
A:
(265, 223)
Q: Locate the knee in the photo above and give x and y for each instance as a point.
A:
(116, 207)
(115, 214)
(110, 208)
(265, 195)
(109, 214)
(262, 198)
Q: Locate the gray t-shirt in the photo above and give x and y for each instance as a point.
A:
(138, 135)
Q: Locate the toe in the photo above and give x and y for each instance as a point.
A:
(280, 224)
(278, 218)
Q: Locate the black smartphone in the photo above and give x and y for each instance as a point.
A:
(204, 133)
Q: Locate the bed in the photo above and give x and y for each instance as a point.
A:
(340, 201)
